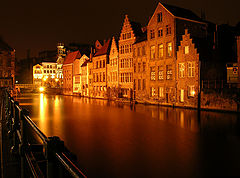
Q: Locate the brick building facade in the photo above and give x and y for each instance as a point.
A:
(7, 65)
(112, 70)
(130, 32)
(99, 71)
(188, 78)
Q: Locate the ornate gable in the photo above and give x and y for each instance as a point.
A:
(127, 30)
(114, 49)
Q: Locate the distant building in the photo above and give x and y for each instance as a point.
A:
(7, 65)
(68, 72)
(46, 75)
(78, 74)
(85, 77)
(99, 71)
(140, 64)
(129, 34)
(113, 70)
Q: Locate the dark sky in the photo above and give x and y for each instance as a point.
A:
(39, 25)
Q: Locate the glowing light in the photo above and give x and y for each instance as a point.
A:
(56, 79)
(41, 89)
(193, 93)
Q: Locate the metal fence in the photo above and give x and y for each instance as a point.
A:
(47, 158)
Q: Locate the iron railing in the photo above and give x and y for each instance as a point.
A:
(49, 158)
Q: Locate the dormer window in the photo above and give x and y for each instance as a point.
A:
(159, 17)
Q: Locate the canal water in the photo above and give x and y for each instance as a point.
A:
(114, 139)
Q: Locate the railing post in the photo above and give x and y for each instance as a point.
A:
(23, 142)
(54, 145)
(16, 127)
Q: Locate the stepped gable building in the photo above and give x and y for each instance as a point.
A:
(112, 69)
(7, 65)
(164, 35)
(68, 71)
(130, 33)
(188, 70)
(99, 71)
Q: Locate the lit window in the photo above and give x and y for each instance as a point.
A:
(160, 73)
(152, 73)
(186, 49)
(191, 91)
(169, 72)
(152, 52)
(191, 69)
(152, 91)
(169, 49)
(181, 70)
(160, 90)
(160, 50)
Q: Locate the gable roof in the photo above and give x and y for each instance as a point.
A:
(85, 63)
(71, 57)
(104, 50)
(137, 28)
(181, 12)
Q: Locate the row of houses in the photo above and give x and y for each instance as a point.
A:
(163, 62)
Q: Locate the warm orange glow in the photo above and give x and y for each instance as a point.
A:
(56, 79)
(41, 89)
(193, 93)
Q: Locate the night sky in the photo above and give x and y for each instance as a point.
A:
(39, 25)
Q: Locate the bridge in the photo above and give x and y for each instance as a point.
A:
(26, 151)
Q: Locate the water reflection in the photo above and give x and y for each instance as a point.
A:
(114, 139)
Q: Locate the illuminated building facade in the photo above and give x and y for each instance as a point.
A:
(165, 33)
(46, 75)
(7, 65)
(68, 72)
(112, 70)
(78, 74)
(188, 78)
(99, 71)
(85, 76)
(129, 34)
(140, 64)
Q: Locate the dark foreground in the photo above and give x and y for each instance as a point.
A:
(118, 140)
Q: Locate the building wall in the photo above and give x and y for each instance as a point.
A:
(140, 66)
(187, 72)
(7, 68)
(126, 40)
(90, 79)
(113, 70)
(162, 86)
(100, 76)
(68, 79)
